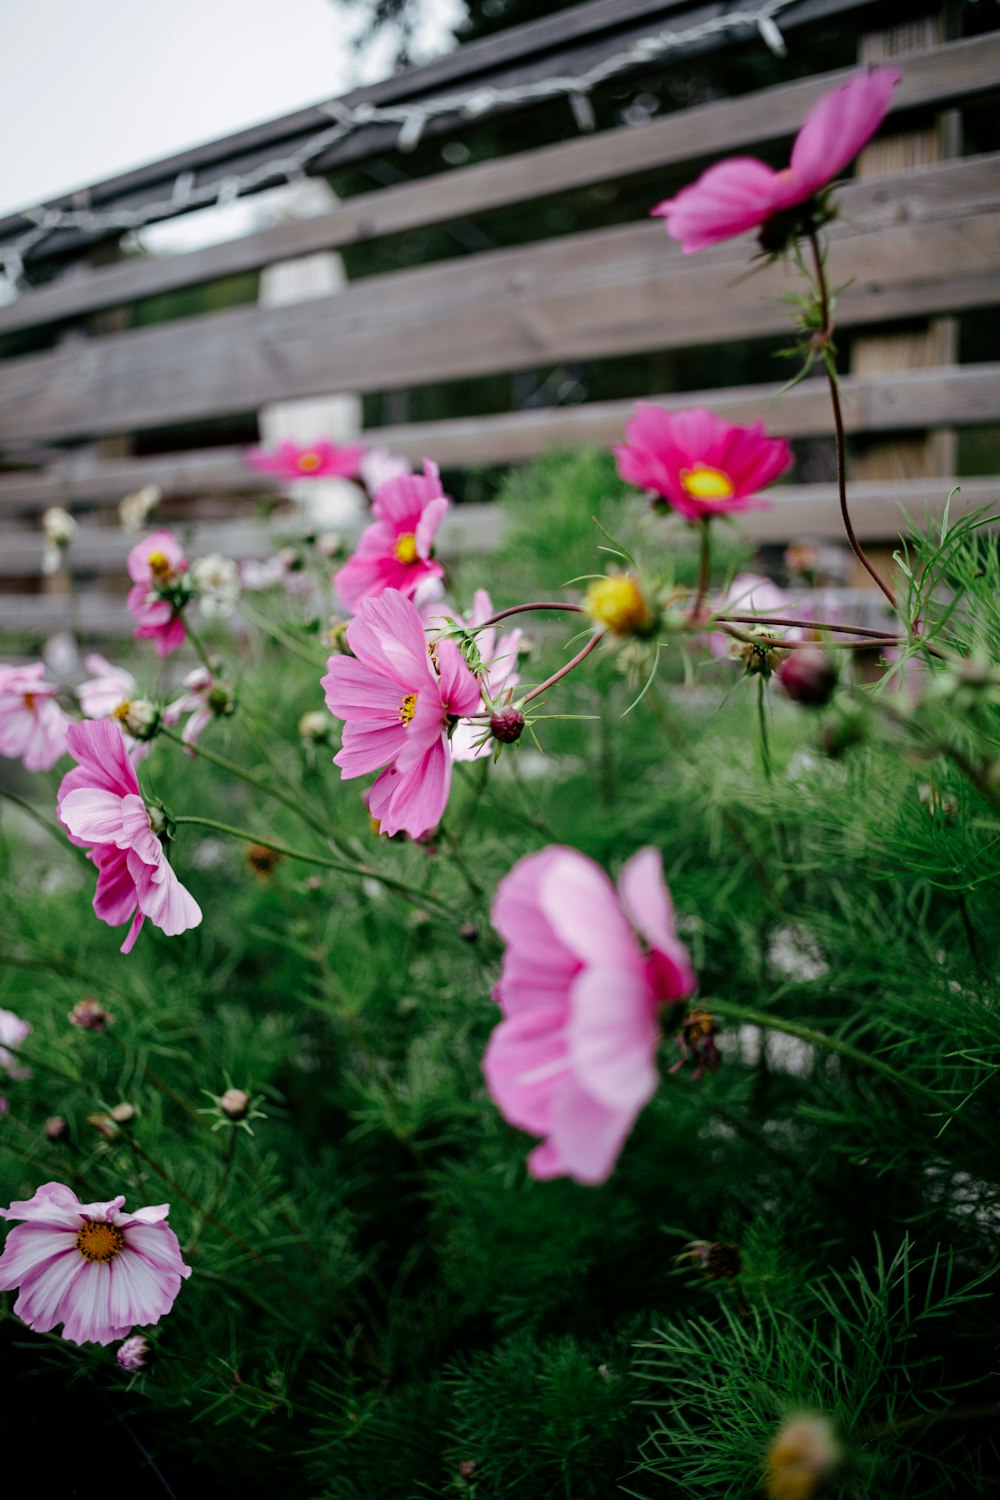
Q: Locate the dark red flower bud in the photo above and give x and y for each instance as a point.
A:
(507, 725)
(808, 676)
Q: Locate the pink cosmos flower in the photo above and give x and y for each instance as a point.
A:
(199, 684)
(701, 465)
(574, 1059)
(395, 552)
(12, 1033)
(500, 657)
(750, 594)
(380, 465)
(100, 804)
(155, 566)
(317, 461)
(742, 193)
(32, 725)
(90, 1266)
(109, 686)
(398, 703)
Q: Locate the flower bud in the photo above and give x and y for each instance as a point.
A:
(336, 638)
(89, 1014)
(507, 725)
(234, 1103)
(55, 1129)
(802, 1459)
(59, 526)
(845, 727)
(469, 932)
(808, 676)
(760, 656)
(123, 1114)
(139, 717)
(618, 603)
(134, 1354)
(315, 725)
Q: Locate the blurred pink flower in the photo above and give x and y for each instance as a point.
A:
(700, 464)
(500, 659)
(99, 804)
(90, 1266)
(32, 725)
(12, 1033)
(380, 465)
(317, 461)
(750, 594)
(199, 684)
(397, 703)
(155, 566)
(395, 552)
(109, 686)
(742, 193)
(586, 966)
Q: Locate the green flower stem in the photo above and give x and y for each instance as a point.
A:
(564, 671)
(765, 747)
(818, 1039)
(704, 567)
(825, 338)
(358, 871)
(42, 821)
(269, 627)
(214, 1201)
(199, 646)
(520, 609)
(888, 636)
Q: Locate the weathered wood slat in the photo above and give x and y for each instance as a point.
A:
(561, 44)
(797, 511)
(946, 75)
(924, 242)
(955, 395)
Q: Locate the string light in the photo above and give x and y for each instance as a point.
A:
(411, 119)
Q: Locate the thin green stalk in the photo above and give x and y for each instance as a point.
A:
(703, 570)
(826, 338)
(818, 1039)
(279, 634)
(57, 833)
(358, 871)
(765, 748)
(198, 645)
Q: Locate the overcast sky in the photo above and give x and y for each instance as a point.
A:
(94, 87)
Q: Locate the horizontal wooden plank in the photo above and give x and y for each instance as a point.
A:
(945, 75)
(564, 44)
(878, 510)
(925, 242)
(104, 549)
(953, 395)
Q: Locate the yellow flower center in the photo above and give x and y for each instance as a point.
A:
(308, 462)
(100, 1241)
(408, 708)
(703, 483)
(405, 550)
(122, 711)
(159, 566)
(618, 604)
(29, 702)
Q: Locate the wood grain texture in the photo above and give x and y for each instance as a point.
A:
(956, 395)
(945, 75)
(926, 242)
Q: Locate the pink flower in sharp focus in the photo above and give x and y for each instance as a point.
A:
(32, 725)
(469, 740)
(742, 193)
(397, 705)
(12, 1033)
(700, 464)
(100, 805)
(317, 461)
(395, 552)
(89, 1266)
(586, 966)
(155, 566)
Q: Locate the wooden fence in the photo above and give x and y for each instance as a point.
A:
(915, 244)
